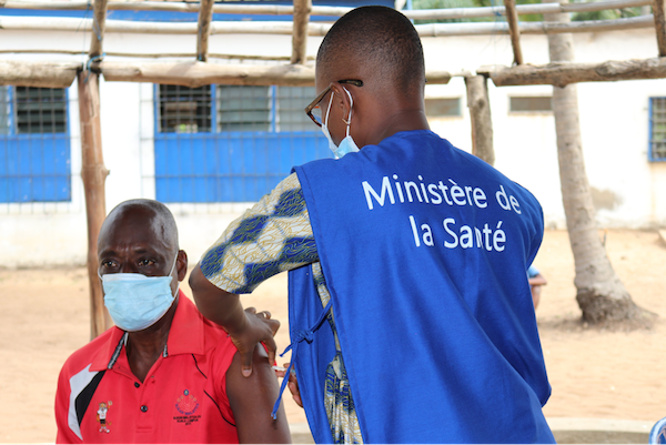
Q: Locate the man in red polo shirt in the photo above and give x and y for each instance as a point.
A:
(164, 373)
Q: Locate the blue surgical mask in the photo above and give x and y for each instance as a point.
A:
(135, 301)
(347, 145)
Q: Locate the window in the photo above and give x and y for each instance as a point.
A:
(41, 110)
(657, 151)
(290, 104)
(530, 104)
(184, 110)
(34, 145)
(242, 108)
(442, 107)
(258, 134)
(4, 111)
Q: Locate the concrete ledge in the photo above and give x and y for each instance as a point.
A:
(300, 433)
(584, 430)
(565, 429)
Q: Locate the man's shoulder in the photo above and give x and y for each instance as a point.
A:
(86, 354)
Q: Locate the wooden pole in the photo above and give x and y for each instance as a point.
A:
(99, 23)
(660, 25)
(196, 74)
(332, 11)
(561, 74)
(38, 74)
(299, 40)
(317, 28)
(93, 174)
(160, 55)
(205, 18)
(514, 31)
(482, 124)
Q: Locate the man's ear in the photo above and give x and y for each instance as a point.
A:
(181, 265)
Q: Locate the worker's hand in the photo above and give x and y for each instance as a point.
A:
(258, 327)
(292, 384)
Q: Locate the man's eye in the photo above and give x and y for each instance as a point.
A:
(146, 263)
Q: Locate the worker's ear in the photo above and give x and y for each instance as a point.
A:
(342, 99)
(181, 265)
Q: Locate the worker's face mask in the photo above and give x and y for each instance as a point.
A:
(347, 145)
(136, 301)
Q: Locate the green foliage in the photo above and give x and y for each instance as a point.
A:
(449, 4)
(609, 14)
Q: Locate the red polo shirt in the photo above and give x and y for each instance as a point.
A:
(182, 400)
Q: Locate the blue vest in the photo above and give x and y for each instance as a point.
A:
(424, 249)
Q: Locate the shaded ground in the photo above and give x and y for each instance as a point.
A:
(594, 374)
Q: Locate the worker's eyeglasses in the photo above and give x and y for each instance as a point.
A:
(314, 110)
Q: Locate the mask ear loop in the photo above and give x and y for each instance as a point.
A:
(351, 106)
(328, 110)
(175, 260)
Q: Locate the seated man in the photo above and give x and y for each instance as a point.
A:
(164, 373)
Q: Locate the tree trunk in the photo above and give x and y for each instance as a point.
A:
(482, 123)
(600, 294)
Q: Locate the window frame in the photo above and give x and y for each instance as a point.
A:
(651, 141)
(232, 166)
(21, 142)
(529, 112)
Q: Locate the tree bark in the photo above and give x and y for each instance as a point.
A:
(93, 174)
(600, 294)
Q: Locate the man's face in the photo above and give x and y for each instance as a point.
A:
(132, 243)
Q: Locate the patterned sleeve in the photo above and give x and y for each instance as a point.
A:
(273, 236)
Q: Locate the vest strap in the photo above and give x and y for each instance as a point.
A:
(306, 335)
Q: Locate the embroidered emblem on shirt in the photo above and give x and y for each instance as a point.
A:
(102, 413)
(187, 405)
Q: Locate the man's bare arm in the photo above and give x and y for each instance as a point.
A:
(245, 329)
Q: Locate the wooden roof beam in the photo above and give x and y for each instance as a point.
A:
(196, 74)
(514, 31)
(203, 33)
(317, 29)
(299, 40)
(333, 11)
(561, 74)
(660, 25)
(98, 26)
(38, 73)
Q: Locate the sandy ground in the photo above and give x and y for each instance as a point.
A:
(604, 375)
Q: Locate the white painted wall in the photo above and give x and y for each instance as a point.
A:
(613, 122)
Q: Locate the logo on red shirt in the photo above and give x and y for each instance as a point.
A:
(187, 405)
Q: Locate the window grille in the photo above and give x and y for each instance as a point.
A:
(184, 110)
(4, 110)
(657, 129)
(290, 104)
(443, 107)
(259, 134)
(530, 104)
(34, 145)
(243, 108)
(40, 110)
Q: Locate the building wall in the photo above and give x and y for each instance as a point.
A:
(629, 190)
